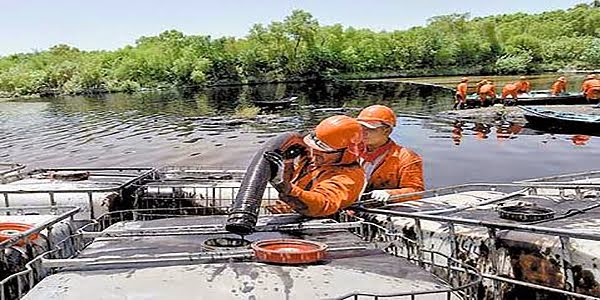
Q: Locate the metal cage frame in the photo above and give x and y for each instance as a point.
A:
(557, 186)
(383, 236)
(137, 177)
(14, 285)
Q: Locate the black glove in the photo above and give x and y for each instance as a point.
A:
(277, 167)
(277, 171)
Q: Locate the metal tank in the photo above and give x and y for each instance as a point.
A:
(534, 239)
(183, 251)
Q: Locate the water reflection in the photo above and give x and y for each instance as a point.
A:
(457, 132)
(481, 130)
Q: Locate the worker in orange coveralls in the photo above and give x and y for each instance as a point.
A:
(391, 169)
(559, 86)
(460, 98)
(510, 89)
(332, 179)
(591, 88)
(524, 85)
(480, 84)
(487, 92)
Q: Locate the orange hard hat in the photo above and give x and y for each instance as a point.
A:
(464, 79)
(335, 133)
(376, 115)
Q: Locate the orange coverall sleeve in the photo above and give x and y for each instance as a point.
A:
(584, 87)
(330, 195)
(411, 181)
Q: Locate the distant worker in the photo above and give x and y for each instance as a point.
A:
(524, 85)
(480, 84)
(487, 93)
(559, 86)
(391, 169)
(460, 98)
(334, 180)
(510, 89)
(591, 88)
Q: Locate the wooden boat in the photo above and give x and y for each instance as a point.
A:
(567, 122)
(541, 97)
(283, 102)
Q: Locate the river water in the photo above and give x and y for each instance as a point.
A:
(202, 128)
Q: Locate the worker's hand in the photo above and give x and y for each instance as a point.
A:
(277, 167)
(380, 195)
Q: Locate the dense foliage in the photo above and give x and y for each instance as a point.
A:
(300, 48)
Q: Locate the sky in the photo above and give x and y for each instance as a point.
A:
(30, 25)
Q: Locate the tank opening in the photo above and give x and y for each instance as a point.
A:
(226, 243)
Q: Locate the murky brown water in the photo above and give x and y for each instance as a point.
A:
(175, 128)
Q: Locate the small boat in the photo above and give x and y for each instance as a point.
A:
(566, 122)
(541, 97)
(283, 102)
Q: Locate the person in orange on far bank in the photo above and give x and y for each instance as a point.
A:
(510, 89)
(559, 86)
(524, 85)
(487, 92)
(460, 98)
(391, 169)
(333, 180)
(478, 85)
(591, 88)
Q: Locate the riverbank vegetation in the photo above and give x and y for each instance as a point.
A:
(299, 48)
